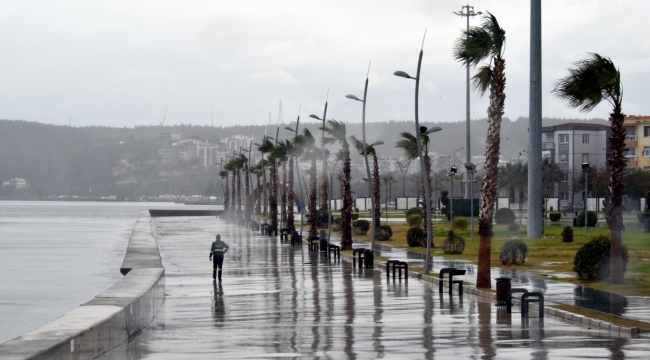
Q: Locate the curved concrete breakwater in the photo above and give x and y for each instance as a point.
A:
(112, 317)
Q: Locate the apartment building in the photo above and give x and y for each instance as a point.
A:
(637, 141)
(572, 144)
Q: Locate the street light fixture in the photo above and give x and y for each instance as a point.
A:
(425, 131)
(585, 170)
(451, 174)
(471, 170)
(427, 193)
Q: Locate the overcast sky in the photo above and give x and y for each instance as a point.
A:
(121, 63)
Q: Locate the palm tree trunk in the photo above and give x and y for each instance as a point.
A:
(233, 206)
(248, 201)
(258, 192)
(346, 208)
(614, 217)
(312, 198)
(290, 201)
(490, 181)
(283, 203)
(239, 198)
(376, 189)
(324, 206)
(425, 211)
(265, 209)
(273, 199)
(226, 198)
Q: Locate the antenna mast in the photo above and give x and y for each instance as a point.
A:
(280, 119)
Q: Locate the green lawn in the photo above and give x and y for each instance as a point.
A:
(548, 257)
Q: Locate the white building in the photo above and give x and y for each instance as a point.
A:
(238, 141)
(18, 183)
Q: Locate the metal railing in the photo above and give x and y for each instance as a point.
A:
(630, 137)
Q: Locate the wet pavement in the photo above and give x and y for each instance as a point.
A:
(276, 301)
(632, 307)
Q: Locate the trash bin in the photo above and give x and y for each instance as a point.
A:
(323, 241)
(503, 286)
(368, 259)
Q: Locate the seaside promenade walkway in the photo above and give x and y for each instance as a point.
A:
(277, 301)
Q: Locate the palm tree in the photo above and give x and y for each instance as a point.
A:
(267, 147)
(280, 153)
(240, 162)
(291, 153)
(590, 82)
(551, 175)
(232, 200)
(226, 197)
(515, 176)
(408, 144)
(337, 133)
(376, 182)
(480, 43)
(307, 146)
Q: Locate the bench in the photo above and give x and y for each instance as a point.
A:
(272, 230)
(264, 228)
(296, 239)
(399, 265)
(451, 272)
(313, 243)
(336, 250)
(357, 255)
(255, 226)
(537, 297)
(284, 234)
(509, 298)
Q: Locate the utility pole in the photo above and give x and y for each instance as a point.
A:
(467, 11)
(535, 219)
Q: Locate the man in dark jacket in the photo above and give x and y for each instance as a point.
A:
(218, 249)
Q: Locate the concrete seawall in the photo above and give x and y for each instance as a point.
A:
(112, 317)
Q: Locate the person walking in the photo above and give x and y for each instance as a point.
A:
(218, 249)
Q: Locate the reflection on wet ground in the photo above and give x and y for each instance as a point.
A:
(277, 301)
(633, 307)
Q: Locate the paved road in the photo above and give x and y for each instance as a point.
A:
(278, 302)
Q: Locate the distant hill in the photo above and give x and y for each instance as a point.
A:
(63, 160)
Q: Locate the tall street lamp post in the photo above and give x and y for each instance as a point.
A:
(451, 174)
(586, 170)
(467, 11)
(324, 172)
(427, 194)
(403, 169)
(365, 157)
(302, 195)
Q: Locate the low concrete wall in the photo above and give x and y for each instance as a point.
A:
(179, 212)
(112, 317)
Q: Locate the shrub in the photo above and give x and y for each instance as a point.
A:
(592, 259)
(360, 227)
(513, 227)
(513, 252)
(592, 219)
(414, 220)
(555, 216)
(354, 216)
(567, 234)
(415, 236)
(453, 244)
(646, 226)
(413, 211)
(460, 223)
(504, 216)
(448, 215)
(385, 232)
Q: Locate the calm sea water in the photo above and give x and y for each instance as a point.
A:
(55, 256)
